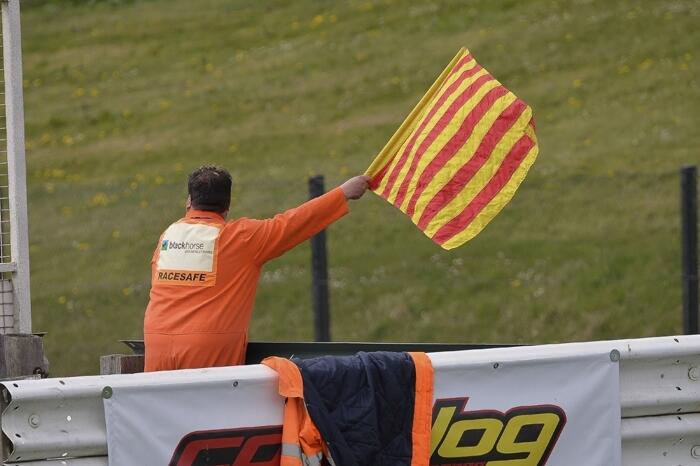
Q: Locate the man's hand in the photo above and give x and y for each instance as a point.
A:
(355, 187)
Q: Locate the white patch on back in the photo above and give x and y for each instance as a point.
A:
(188, 246)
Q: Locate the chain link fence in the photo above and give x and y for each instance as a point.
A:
(7, 322)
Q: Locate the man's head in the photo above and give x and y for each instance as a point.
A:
(209, 188)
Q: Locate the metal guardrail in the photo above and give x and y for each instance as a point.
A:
(95, 461)
(63, 419)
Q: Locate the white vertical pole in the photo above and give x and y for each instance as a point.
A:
(16, 165)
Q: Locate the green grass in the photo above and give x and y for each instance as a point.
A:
(123, 99)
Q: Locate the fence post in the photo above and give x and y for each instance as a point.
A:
(319, 273)
(689, 240)
(16, 166)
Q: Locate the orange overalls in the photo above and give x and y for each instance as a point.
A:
(205, 275)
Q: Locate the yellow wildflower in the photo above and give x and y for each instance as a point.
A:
(575, 102)
(99, 200)
(646, 64)
(316, 21)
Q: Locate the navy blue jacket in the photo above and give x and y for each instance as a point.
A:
(363, 406)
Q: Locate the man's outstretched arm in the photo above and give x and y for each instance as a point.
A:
(281, 233)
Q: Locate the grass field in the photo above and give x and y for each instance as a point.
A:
(123, 99)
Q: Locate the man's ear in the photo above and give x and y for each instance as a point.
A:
(188, 204)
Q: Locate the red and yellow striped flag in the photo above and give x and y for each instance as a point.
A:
(460, 155)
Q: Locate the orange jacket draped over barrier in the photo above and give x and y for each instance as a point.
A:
(302, 442)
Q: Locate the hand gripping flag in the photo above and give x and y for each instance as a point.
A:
(459, 157)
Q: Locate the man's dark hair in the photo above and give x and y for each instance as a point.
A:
(209, 188)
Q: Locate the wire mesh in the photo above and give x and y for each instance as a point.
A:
(7, 320)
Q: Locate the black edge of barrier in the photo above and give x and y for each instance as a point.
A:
(259, 350)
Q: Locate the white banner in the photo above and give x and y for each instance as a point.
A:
(490, 409)
(222, 422)
(556, 411)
